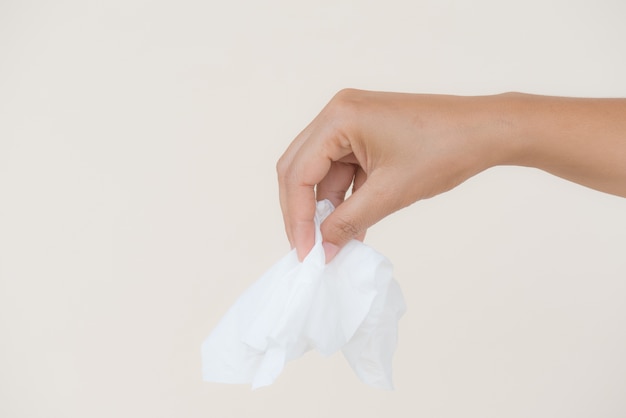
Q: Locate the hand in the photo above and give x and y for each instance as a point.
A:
(392, 149)
(395, 149)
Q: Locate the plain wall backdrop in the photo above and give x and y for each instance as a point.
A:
(138, 199)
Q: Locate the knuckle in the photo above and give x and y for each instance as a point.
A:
(342, 115)
(346, 94)
(282, 167)
(343, 102)
(345, 229)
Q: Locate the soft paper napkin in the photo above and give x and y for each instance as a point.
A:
(352, 304)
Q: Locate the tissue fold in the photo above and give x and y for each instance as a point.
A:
(352, 304)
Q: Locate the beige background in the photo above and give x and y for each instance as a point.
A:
(138, 199)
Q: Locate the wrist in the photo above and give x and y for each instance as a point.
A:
(502, 129)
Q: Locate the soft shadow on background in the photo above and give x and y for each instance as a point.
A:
(138, 199)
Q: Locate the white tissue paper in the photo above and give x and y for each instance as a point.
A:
(352, 304)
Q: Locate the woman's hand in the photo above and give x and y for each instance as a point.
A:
(394, 149)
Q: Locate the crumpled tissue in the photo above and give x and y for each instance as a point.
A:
(352, 304)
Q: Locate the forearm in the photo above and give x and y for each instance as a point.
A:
(581, 140)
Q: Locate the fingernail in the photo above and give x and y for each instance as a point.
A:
(330, 250)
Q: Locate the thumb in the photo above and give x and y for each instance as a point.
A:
(366, 206)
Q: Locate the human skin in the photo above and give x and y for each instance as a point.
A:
(394, 149)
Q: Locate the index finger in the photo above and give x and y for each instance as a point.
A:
(308, 166)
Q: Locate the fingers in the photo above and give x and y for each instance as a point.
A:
(366, 206)
(299, 174)
(359, 178)
(282, 168)
(297, 199)
(336, 183)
